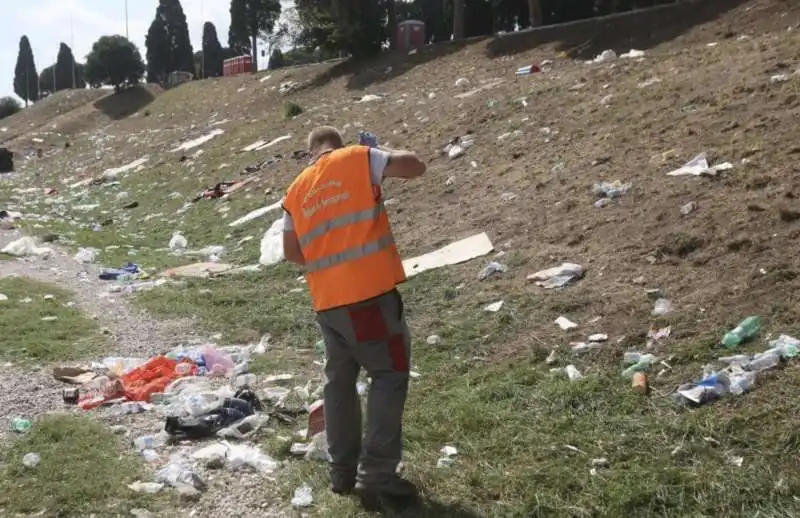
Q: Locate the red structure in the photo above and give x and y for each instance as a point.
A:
(410, 35)
(237, 65)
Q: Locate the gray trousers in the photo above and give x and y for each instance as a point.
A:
(372, 335)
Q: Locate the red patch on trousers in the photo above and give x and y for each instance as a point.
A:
(397, 352)
(368, 323)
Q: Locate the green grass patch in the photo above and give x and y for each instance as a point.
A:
(71, 336)
(83, 471)
(527, 438)
(243, 307)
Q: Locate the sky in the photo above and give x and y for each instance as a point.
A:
(47, 24)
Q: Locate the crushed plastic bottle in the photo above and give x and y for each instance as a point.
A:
(737, 359)
(245, 428)
(302, 496)
(151, 442)
(490, 269)
(241, 455)
(573, 373)
(178, 474)
(631, 357)
(129, 407)
(787, 346)
(31, 460)
(742, 382)
(644, 363)
(19, 425)
(764, 361)
(746, 330)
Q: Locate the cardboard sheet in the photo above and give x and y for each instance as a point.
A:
(454, 253)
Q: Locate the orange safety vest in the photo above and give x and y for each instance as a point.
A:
(343, 230)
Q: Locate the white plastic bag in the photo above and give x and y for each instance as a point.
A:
(272, 244)
(25, 246)
(178, 243)
(86, 255)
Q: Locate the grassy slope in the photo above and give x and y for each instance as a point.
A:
(485, 388)
(27, 337)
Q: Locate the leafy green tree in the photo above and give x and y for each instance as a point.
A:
(9, 106)
(213, 54)
(357, 27)
(167, 42)
(26, 79)
(249, 20)
(115, 61)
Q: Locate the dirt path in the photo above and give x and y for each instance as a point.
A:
(27, 392)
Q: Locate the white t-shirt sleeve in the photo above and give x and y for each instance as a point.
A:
(288, 223)
(378, 159)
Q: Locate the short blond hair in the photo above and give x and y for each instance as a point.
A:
(326, 136)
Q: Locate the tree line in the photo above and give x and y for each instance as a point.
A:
(313, 30)
(115, 61)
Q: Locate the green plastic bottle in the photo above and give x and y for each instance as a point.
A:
(19, 425)
(745, 331)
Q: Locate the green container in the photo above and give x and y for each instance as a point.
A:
(19, 425)
(745, 331)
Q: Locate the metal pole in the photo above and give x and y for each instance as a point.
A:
(126, 20)
(72, 46)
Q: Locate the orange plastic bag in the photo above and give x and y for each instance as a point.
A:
(152, 377)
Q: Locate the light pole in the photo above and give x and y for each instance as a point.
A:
(202, 51)
(126, 20)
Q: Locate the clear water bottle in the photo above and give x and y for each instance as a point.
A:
(644, 363)
(746, 330)
(764, 361)
(631, 357)
(150, 442)
(741, 383)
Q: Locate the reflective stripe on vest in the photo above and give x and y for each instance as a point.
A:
(351, 254)
(339, 222)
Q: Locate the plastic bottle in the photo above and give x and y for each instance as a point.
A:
(19, 425)
(741, 383)
(573, 373)
(243, 429)
(128, 407)
(787, 346)
(764, 361)
(632, 357)
(151, 442)
(747, 329)
(644, 363)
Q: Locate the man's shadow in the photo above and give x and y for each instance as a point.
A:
(427, 508)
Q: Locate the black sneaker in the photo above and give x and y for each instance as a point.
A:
(342, 485)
